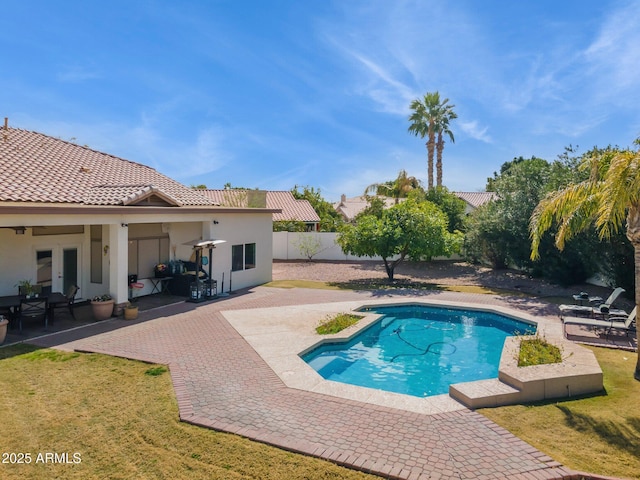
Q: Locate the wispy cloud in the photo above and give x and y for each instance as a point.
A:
(475, 131)
(614, 56)
(76, 74)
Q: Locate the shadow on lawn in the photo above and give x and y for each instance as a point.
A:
(625, 436)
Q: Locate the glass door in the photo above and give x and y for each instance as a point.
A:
(57, 268)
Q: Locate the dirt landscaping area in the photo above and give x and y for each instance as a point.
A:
(447, 272)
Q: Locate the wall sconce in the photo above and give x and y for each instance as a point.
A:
(105, 250)
(20, 230)
(124, 225)
(216, 222)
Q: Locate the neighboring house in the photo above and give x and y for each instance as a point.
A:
(291, 209)
(350, 207)
(73, 215)
(474, 200)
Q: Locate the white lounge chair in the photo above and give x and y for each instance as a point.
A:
(603, 309)
(622, 323)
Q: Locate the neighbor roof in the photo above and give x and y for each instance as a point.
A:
(291, 208)
(40, 168)
(350, 207)
(476, 199)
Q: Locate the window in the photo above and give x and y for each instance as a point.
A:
(96, 253)
(250, 255)
(243, 257)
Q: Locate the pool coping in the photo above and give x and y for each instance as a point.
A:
(281, 334)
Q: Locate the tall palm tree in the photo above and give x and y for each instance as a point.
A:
(398, 188)
(431, 115)
(610, 197)
(446, 114)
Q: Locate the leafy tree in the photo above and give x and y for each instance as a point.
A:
(398, 188)
(452, 205)
(499, 231)
(289, 226)
(411, 229)
(608, 198)
(330, 220)
(431, 116)
(376, 207)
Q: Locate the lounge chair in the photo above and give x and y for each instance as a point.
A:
(622, 323)
(602, 309)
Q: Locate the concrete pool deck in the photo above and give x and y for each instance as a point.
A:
(280, 335)
(222, 383)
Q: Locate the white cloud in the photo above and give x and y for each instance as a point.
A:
(475, 131)
(614, 56)
(76, 74)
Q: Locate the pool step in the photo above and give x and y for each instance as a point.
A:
(484, 393)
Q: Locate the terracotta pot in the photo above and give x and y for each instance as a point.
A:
(3, 328)
(102, 310)
(131, 313)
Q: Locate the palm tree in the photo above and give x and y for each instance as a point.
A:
(610, 197)
(442, 127)
(398, 188)
(430, 116)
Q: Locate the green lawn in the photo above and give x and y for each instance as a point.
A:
(121, 418)
(598, 434)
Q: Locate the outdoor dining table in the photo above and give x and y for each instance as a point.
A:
(54, 299)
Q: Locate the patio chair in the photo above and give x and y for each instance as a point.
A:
(33, 309)
(618, 322)
(71, 297)
(603, 308)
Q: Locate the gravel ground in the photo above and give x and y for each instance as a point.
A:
(447, 272)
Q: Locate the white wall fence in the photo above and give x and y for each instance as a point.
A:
(294, 245)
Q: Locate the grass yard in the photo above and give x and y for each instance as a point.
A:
(600, 434)
(121, 417)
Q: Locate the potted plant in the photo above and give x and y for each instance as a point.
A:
(102, 306)
(3, 328)
(25, 287)
(130, 311)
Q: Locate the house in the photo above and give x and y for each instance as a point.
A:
(72, 215)
(350, 207)
(290, 208)
(474, 200)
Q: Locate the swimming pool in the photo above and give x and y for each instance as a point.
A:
(419, 350)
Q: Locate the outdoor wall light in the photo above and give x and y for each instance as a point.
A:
(216, 222)
(124, 225)
(20, 230)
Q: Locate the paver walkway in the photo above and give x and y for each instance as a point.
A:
(221, 383)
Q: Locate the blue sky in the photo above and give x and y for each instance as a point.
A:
(272, 94)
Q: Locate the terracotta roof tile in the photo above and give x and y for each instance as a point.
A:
(475, 199)
(292, 209)
(39, 168)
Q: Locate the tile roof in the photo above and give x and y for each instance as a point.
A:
(476, 199)
(350, 207)
(40, 168)
(292, 208)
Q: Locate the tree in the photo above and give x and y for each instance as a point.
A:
(411, 229)
(499, 231)
(608, 198)
(430, 116)
(330, 220)
(398, 188)
(442, 127)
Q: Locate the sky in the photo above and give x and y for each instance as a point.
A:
(274, 94)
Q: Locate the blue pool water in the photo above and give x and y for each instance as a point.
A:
(419, 350)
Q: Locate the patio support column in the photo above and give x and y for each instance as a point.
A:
(119, 262)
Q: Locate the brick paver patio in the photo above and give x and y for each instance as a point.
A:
(222, 383)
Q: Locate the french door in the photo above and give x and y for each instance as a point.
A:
(57, 268)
